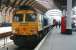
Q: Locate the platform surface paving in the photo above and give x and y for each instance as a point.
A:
(56, 41)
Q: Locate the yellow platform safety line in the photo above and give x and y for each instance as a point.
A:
(41, 42)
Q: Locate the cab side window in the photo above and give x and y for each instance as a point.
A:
(18, 17)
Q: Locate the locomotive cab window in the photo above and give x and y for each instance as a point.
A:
(30, 17)
(18, 17)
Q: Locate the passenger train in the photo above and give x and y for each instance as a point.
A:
(28, 27)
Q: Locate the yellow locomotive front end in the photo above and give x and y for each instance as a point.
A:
(25, 27)
(25, 22)
(28, 27)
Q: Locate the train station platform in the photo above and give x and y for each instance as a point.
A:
(57, 41)
(5, 31)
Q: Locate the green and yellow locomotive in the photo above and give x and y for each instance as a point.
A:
(28, 26)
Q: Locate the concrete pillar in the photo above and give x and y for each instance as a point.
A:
(64, 12)
(68, 17)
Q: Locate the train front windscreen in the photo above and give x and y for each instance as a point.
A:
(24, 17)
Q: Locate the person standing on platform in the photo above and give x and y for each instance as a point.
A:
(56, 24)
(59, 23)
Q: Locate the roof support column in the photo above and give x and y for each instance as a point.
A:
(68, 17)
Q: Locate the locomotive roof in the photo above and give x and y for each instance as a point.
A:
(24, 7)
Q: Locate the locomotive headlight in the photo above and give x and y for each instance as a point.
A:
(34, 31)
(13, 31)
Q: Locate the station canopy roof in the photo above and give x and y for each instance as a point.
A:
(13, 3)
(62, 4)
